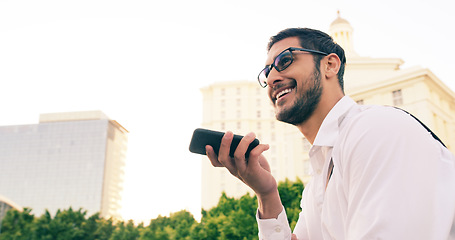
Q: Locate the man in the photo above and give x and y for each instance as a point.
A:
(378, 173)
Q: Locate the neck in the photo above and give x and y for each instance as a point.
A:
(310, 128)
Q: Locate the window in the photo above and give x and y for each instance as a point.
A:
(397, 97)
(258, 114)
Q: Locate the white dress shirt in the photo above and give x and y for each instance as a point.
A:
(391, 180)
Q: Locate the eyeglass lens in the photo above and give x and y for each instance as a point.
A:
(281, 62)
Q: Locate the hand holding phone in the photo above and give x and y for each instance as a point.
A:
(203, 137)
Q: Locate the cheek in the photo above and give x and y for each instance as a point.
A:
(269, 95)
(304, 78)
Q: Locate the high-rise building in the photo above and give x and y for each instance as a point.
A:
(67, 160)
(243, 106)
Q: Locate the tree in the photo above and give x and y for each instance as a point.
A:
(291, 194)
(97, 228)
(230, 219)
(177, 226)
(104, 228)
(66, 225)
(17, 225)
(126, 231)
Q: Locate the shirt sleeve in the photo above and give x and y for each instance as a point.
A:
(274, 229)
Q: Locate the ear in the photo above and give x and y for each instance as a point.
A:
(332, 65)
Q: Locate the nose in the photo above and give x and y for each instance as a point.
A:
(273, 78)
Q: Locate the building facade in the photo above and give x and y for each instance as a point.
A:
(243, 106)
(67, 160)
(382, 81)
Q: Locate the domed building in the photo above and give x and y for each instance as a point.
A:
(342, 32)
(382, 81)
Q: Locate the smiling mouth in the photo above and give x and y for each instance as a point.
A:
(283, 92)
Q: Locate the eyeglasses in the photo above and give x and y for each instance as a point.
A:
(281, 62)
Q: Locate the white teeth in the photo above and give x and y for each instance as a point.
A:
(288, 90)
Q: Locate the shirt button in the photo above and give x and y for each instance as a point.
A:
(278, 229)
(318, 172)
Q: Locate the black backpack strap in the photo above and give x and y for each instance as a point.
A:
(329, 172)
(423, 125)
(330, 169)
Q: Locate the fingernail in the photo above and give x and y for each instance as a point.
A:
(250, 135)
(227, 134)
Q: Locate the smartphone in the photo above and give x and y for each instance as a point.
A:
(203, 137)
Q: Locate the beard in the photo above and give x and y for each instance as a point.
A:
(305, 104)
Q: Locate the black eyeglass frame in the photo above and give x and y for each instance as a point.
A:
(290, 49)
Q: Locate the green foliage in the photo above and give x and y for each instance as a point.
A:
(17, 225)
(65, 225)
(230, 219)
(291, 194)
(126, 231)
(177, 226)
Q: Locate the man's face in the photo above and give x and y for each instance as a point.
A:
(296, 91)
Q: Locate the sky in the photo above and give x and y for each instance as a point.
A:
(143, 63)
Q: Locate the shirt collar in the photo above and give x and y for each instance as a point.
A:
(329, 130)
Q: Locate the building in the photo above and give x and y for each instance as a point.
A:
(66, 160)
(242, 106)
(382, 81)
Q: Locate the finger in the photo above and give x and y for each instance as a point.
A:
(242, 148)
(258, 150)
(223, 154)
(212, 156)
(239, 154)
(294, 237)
(255, 156)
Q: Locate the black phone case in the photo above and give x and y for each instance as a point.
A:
(202, 137)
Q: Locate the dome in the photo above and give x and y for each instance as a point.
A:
(339, 20)
(341, 32)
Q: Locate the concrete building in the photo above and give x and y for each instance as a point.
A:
(243, 106)
(67, 160)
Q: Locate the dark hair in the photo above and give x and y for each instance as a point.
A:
(315, 40)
